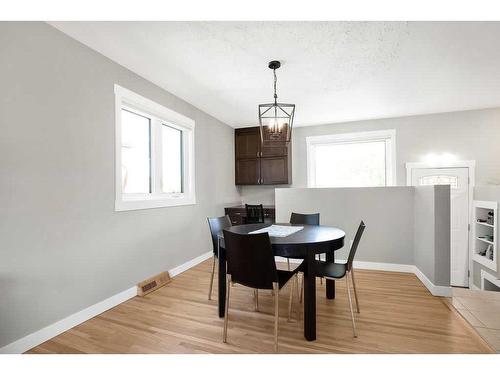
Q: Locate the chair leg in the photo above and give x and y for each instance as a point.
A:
(354, 287)
(288, 263)
(298, 294)
(276, 315)
(212, 278)
(256, 299)
(226, 315)
(290, 299)
(301, 294)
(350, 305)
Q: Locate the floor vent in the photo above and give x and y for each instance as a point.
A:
(152, 284)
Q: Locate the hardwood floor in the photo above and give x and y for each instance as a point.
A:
(398, 315)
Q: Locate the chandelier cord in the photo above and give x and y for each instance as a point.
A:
(275, 80)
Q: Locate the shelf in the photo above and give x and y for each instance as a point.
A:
(482, 239)
(491, 264)
(480, 211)
(485, 224)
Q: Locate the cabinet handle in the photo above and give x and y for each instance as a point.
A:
(257, 153)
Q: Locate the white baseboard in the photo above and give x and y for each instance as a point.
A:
(38, 337)
(44, 334)
(436, 290)
(190, 263)
(474, 287)
(392, 267)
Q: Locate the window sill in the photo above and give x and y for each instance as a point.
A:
(142, 203)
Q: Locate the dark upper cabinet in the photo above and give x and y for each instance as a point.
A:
(248, 171)
(273, 143)
(257, 163)
(247, 143)
(274, 171)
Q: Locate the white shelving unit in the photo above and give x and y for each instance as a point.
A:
(485, 234)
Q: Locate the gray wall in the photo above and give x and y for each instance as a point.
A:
(404, 225)
(424, 238)
(469, 135)
(387, 213)
(62, 245)
(432, 233)
(442, 237)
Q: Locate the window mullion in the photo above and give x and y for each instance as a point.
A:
(156, 156)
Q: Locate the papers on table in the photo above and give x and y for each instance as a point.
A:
(278, 230)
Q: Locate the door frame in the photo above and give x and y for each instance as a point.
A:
(471, 165)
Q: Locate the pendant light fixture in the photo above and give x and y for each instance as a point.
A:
(276, 119)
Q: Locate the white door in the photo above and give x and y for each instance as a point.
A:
(458, 178)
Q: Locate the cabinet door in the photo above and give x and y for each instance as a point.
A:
(247, 143)
(247, 171)
(274, 170)
(274, 144)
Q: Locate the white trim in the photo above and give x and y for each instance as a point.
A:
(40, 336)
(36, 338)
(487, 276)
(161, 115)
(436, 290)
(388, 135)
(190, 263)
(135, 100)
(391, 267)
(471, 165)
(474, 287)
(44, 334)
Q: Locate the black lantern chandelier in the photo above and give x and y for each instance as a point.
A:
(276, 119)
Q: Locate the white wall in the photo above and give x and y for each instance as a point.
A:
(485, 193)
(468, 135)
(62, 245)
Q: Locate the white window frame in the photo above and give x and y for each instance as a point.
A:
(159, 115)
(389, 136)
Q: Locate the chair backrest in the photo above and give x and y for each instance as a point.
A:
(217, 224)
(355, 244)
(308, 219)
(254, 213)
(250, 259)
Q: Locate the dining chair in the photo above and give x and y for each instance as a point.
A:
(254, 213)
(216, 224)
(250, 262)
(307, 219)
(335, 271)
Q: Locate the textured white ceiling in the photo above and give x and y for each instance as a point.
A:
(332, 71)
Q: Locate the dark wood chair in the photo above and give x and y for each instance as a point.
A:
(335, 271)
(250, 262)
(216, 224)
(254, 213)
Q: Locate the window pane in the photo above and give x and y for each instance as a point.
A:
(440, 180)
(171, 160)
(350, 164)
(136, 167)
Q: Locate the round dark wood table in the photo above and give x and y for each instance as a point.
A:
(306, 243)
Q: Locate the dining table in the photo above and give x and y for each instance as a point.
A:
(304, 244)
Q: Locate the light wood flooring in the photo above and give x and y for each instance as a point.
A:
(398, 315)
